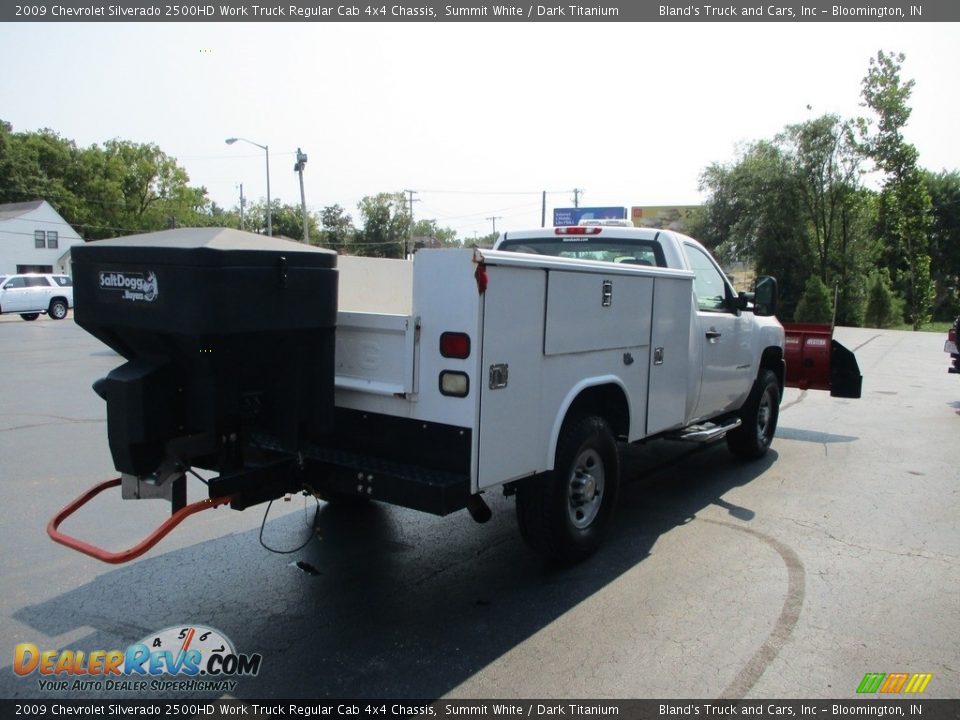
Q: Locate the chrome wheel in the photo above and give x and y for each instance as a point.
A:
(764, 415)
(585, 488)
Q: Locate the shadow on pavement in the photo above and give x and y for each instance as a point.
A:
(389, 603)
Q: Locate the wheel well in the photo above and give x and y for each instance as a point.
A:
(606, 401)
(59, 297)
(772, 359)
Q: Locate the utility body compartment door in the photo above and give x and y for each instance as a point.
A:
(511, 375)
(593, 311)
(670, 359)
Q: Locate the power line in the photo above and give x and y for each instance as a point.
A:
(494, 218)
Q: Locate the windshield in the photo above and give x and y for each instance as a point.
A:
(616, 250)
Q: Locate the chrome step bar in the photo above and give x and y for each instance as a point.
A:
(705, 432)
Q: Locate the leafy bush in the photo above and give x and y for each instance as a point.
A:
(815, 304)
(884, 308)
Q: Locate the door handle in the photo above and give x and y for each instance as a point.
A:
(713, 334)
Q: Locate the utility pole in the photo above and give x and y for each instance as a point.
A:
(543, 210)
(298, 168)
(410, 193)
(576, 197)
(243, 202)
(494, 218)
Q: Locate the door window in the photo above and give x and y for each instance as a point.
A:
(708, 281)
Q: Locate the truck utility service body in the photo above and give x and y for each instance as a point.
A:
(546, 331)
(422, 383)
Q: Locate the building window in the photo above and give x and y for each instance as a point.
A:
(53, 239)
(39, 239)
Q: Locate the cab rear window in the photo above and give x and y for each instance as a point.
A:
(578, 247)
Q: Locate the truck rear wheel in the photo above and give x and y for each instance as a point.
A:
(564, 514)
(759, 416)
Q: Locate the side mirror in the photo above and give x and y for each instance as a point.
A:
(765, 297)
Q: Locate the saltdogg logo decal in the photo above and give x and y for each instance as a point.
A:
(134, 286)
(179, 658)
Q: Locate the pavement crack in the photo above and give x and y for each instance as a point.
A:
(53, 420)
(940, 557)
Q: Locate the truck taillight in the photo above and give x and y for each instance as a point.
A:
(578, 230)
(455, 345)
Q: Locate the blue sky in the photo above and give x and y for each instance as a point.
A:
(476, 117)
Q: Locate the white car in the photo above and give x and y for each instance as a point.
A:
(33, 294)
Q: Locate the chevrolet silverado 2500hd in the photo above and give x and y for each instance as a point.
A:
(423, 383)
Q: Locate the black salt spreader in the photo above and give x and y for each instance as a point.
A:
(228, 339)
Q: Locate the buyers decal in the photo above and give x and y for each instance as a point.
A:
(179, 658)
(133, 286)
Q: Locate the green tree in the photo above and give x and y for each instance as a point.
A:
(827, 161)
(338, 231)
(944, 191)
(904, 220)
(386, 226)
(446, 237)
(118, 189)
(816, 305)
(754, 212)
(884, 308)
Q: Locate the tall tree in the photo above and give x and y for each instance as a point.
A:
(944, 191)
(386, 226)
(754, 212)
(338, 231)
(904, 216)
(827, 161)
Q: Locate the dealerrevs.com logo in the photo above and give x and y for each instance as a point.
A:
(177, 659)
(133, 286)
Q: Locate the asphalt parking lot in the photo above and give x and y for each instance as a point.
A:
(835, 556)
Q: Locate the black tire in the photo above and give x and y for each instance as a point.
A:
(564, 514)
(759, 416)
(29, 316)
(58, 309)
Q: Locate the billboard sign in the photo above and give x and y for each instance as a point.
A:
(572, 216)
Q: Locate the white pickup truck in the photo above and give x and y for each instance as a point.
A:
(521, 367)
(422, 383)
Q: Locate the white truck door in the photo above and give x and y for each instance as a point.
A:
(727, 371)
(13, 296)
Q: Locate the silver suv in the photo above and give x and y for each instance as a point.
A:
(33, 294)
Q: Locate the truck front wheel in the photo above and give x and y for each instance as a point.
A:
(564, 514)
(759, 416)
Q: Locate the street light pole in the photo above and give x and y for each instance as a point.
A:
(298, 168)
(266, 149)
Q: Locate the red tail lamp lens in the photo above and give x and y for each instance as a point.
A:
(455, 345)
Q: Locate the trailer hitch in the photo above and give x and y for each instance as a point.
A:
(140, 548)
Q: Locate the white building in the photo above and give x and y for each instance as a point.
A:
(34, 238)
